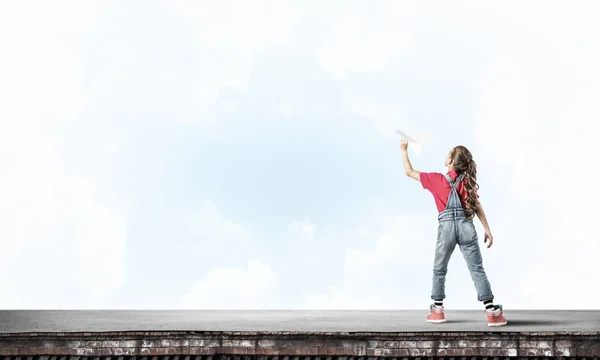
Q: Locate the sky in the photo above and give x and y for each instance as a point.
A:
(242, 154)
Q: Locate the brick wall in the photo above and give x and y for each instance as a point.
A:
(298, 346)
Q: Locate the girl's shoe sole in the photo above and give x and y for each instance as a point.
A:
(437, 321)
(498, 324)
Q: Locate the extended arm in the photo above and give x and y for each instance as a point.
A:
(408, 169)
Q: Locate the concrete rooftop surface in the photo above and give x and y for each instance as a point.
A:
(291, 320)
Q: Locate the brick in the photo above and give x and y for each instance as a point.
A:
(230, 343)
(534, 352)
(564, 343)
(266, 343)
(460, 352)
(383, 352)
(93, 344)
(527, 344)
(545, 345)
(128, 344)
(444, 344)
(196, 351)
(491, 343)
(421, 352)
(287, 352)
(172, 350)
(183, 343)
(495, 352)
(72, 344)
(204, 343)
(407, 344)
(87, 352)
(158, 351)
(584, 352)
(565, 351)
(425, 344)
(389, 344)
(110, 344)
(372, 344)
(148, 344)
(247, 343)
(344, 351)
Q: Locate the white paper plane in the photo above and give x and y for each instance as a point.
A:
(412, 142)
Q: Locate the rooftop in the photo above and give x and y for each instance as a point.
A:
(45, 321)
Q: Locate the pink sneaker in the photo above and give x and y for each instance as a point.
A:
(495, 317)
(437, 315)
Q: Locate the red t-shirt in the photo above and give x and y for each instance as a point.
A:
(439, 187)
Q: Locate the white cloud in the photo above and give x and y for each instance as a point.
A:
(58, 230)
(538, 120)
(54, 231)
(364, 38)
(302, 227)
(395, 274)
(285, 108)
(386, 117)
(229, 34)
(228, 287)
(234, 288)
(210, 225)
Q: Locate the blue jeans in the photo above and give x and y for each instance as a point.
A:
(455, 228)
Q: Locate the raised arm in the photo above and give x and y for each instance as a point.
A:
(408, 169)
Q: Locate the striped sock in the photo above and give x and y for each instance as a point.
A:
(438, 303)
(489, 304)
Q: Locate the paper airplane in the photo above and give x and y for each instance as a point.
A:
(412, 142)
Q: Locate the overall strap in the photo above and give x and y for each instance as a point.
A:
(454, 183)
(453, 199)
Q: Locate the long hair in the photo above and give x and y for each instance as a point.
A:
(463, 163)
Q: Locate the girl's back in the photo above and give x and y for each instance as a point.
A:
(439, 187)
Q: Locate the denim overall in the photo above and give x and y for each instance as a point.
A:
(456, 228)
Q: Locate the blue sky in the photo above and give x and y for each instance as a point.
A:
(242, 154)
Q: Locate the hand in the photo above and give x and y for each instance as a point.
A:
(488, 238)
(403, 144)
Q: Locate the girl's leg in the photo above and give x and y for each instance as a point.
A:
(469, 246)
(446, 242)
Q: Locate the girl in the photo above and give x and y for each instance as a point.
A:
(455, 195)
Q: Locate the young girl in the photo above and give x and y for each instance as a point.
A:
(456, 197)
